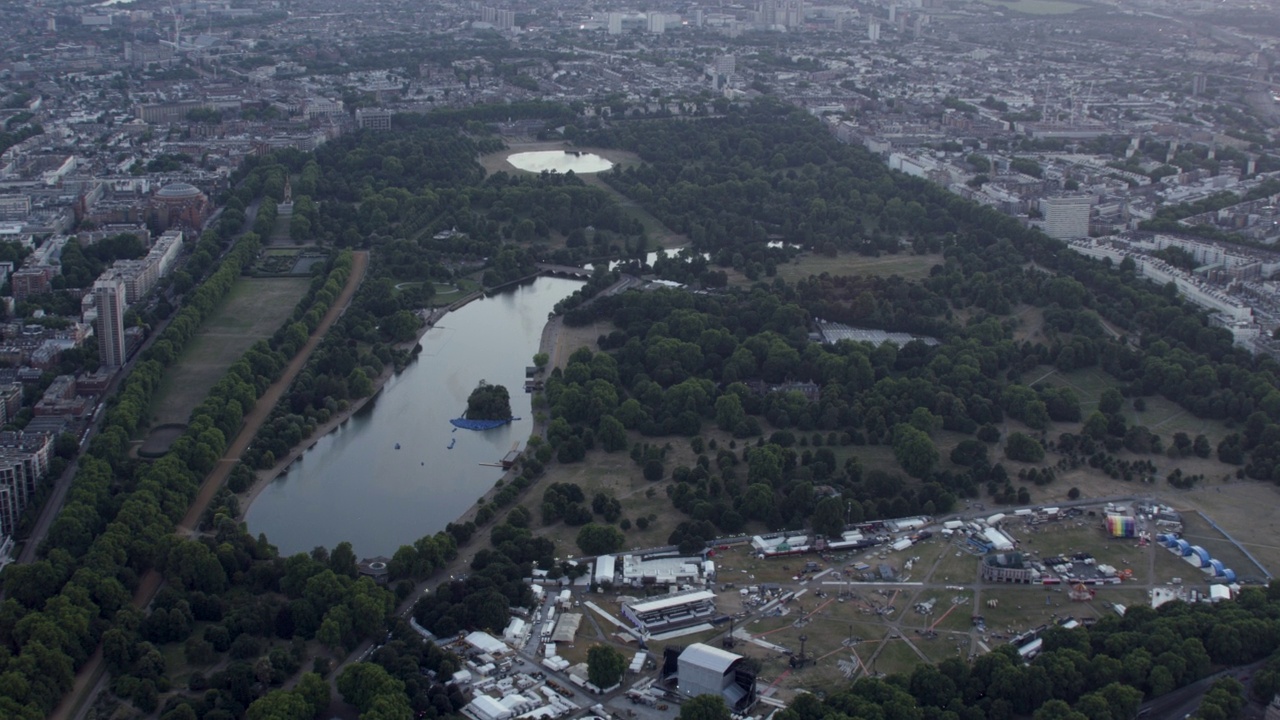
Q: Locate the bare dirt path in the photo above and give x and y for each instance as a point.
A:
(92, 673)
(262, 409)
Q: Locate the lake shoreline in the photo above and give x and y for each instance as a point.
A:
(263, 478)
(549, 343)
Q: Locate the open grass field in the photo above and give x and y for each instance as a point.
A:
(1037, 7)
(957, 567)
(1163, 416)
(896, 657)
(1019, 608)
(252, 310)
(1197, 531)
(447, 294)
(1244, 509)
(906, 265)
(1169, 567)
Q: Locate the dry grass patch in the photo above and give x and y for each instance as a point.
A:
(1244, 509)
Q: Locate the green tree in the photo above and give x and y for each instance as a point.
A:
(828, 517)
(611, 434)
(729, 412)
(1110, 402)
(1023, 448)
(914, 450)
(489, 402)
(605, 666)
(315, 691)
(362, 683)
(1057, 710)
(705, 707)
(596, 539)
(342, 561)
(280, 705)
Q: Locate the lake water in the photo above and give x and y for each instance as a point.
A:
(649, 258)
(559, 161)
(355, 485)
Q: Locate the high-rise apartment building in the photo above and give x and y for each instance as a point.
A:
(109, 292)
(657, 23)
(1067, 216)
(791, 14)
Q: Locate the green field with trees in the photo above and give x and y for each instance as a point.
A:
(751, 190)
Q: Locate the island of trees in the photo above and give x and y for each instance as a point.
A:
(489, 402)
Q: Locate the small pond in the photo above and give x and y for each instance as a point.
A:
(560, 161)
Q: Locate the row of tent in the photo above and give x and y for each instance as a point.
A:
(1197, 556)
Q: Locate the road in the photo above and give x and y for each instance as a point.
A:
(58, 497)
(92, 674)
(1184, 701)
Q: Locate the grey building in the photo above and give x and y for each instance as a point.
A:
(707, 670)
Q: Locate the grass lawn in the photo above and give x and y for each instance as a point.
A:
(946, 645)
(1108, 597)
(1088, 383)
(1021, 608)
(254, 309)
(1244, 509)
(911, 267)
(447, 294)
(1164, 417)
(897, 657)
(1197, 531)
(960, 617)
(1169, 566)
(957, 568)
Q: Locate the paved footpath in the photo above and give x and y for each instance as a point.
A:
(93, 674)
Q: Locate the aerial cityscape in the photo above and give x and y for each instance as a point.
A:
(911, 359)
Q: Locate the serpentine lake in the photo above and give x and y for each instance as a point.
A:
(355, 485)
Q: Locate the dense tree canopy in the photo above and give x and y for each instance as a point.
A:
(489, 402)
(605, 666)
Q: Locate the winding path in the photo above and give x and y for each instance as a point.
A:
(93, 674)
